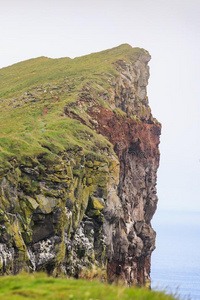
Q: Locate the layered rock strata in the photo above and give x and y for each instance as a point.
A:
(88, 214)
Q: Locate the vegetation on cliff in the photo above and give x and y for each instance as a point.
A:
(34, 93)
(78, 162)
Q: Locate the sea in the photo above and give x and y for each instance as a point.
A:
(175, 265)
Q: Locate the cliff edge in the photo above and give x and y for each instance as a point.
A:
(78, 161)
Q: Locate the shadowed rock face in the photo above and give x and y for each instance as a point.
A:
(83, 213)
(136, 145)
(133, 240)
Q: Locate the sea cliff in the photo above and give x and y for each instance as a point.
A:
(78, 163)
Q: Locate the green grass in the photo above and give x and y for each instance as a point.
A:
(39, 286)
(33, 97)
(22, 76)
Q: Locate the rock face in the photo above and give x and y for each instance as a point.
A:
(87, 214)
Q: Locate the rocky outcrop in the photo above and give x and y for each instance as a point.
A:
(135, 137)
(85, 213)
(51, 217)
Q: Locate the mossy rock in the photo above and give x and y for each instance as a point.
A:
(96, 204)
(46, 204)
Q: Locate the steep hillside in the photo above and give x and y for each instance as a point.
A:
(78, 161)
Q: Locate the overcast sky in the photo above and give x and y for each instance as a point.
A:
(168, 29)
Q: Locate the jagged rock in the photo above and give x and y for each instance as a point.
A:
(88, 210)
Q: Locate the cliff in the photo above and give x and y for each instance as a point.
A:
(78, 162)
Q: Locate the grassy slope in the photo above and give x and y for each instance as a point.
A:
(26, 129)
(21, 76)
(40, 286)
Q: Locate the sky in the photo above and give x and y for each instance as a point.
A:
(168, 29)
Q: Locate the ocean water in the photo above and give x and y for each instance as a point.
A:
(175, 263)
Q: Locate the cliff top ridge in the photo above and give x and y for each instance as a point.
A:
(34, 95)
